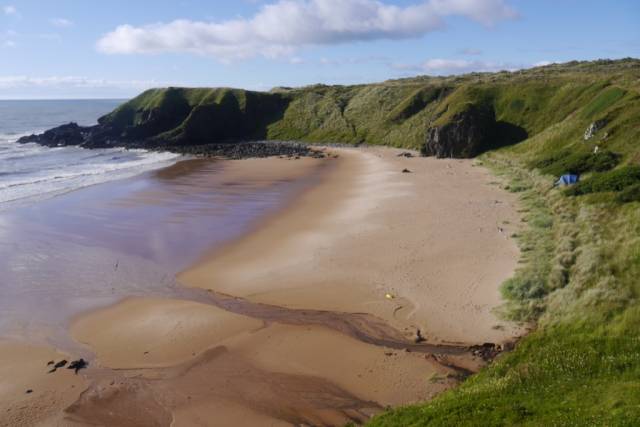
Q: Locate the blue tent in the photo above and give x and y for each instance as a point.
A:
(568, 179)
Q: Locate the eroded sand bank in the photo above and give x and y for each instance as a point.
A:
(422, 250)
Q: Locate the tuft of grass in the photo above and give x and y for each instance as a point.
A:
(615, 180)
(576, 380)
(526, 290)
(568, 161)
(417, 102)
(630, 194)
(603, 101)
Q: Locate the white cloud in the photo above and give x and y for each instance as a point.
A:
(282, 27)
(457, 66)
(8, 43)
(61, 22)
(15, 82)
(354, 60)
(447, 64)
(543, 63)
(74, 87)
(9, 10)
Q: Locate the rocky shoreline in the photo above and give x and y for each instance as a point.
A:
(248, 149)
(100, 136)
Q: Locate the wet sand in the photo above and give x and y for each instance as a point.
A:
(96, 246)
(92, 248)
(311, 317)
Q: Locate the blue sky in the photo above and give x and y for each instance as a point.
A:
(85, 49)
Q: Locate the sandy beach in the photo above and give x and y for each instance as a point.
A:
(436, 240)
(308, 318)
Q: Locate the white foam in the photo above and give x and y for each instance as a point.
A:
(30, 172)
(14, 136)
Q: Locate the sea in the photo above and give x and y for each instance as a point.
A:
(30, 172)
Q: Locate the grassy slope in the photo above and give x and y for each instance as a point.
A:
(393, 113)
(578, 281)
(179, 115)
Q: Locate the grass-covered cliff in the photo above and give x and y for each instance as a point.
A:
(197, 116)
(503, 108)
(579, 280)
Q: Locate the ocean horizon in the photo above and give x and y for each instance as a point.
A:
(30, 172)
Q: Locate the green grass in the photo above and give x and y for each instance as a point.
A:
(197, 115)
(603, 101)
(554, 378)
(615, 180)
(398, 112)
(576, 162)
(416, 102)
(629, 194)
(525, 291)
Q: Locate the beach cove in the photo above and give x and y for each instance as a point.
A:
(307, 313)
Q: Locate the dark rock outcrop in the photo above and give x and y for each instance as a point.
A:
(594, 128)
(466, 134)
(98, 136)
(104, 136)
(69, 134)
(243, 150)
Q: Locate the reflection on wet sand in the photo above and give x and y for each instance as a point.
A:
(218, 377)
(92, 247)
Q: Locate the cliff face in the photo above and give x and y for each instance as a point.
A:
(466, 134)
(174, 117)
(458, 116)
(85, 136)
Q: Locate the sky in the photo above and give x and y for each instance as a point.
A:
(115, 49)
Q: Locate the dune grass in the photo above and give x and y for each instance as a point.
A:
(577, 162)
(615, 180)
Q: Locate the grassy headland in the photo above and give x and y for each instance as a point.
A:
(561, 100)
(578, 281)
